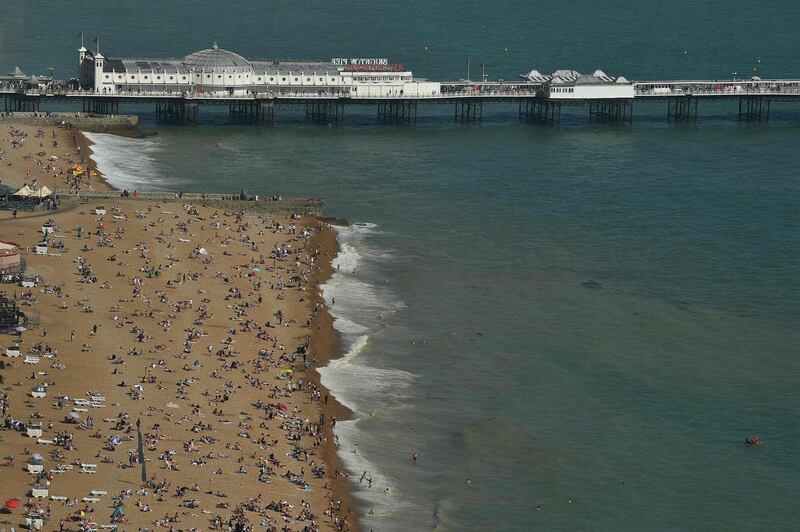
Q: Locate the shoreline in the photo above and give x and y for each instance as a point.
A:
(327, 341)
(324, 342)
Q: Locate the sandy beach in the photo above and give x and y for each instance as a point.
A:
(48, 155)
(170, 364)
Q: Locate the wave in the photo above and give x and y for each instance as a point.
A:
(126, 163)
(360, 309)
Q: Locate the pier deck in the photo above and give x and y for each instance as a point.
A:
(536, 104)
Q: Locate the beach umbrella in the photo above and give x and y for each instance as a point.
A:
(74, 415)
(12, 503)
(282, 407)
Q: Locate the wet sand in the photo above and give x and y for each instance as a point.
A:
(191, 346)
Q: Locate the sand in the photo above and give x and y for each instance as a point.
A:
(47, 154)
(139, 326)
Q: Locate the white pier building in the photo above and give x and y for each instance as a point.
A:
(218, 72)
(572, 85)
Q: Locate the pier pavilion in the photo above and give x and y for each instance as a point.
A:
(217, 72)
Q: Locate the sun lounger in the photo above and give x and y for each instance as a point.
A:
(98, 493)
(90, 469)
(44, 442)
(31, 360)
(91, 499)
(59, 498)
(80, 410)
(98, 398)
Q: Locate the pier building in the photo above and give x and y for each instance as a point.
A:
(255, 89)
(217, 72)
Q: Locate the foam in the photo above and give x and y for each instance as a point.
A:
(359, 313)
(126, 163)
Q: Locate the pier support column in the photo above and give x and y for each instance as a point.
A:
(325, 111)
(541, 110)
(101, 105)
(754, 108)
(616, 111)
(469, 110)
(681, 109)
(176, 112)
(398, 112)
(265, 113)
(19, 103)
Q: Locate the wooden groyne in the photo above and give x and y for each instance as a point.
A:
(257, 203)
(83, 121)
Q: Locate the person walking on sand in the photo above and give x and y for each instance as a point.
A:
(414, 458)
(72, 336)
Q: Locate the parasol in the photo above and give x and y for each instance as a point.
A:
(12, 503)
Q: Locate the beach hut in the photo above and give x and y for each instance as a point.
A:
(39, 391)
(10, 260)
(35, 464)
(100, 209)
(28, 281)
(41, 248)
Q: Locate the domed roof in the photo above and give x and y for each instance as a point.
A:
(215, 58)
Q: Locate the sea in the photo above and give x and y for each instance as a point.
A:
(573, 327)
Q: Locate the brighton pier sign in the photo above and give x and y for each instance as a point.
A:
(344, 61)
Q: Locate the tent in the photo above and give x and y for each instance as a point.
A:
(24, 191)
(41, 193)
(17, 73)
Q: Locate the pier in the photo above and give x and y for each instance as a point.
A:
(257, 91)
(751, 102)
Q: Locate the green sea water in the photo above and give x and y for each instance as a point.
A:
(585, 321)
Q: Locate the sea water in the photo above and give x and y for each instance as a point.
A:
(584, 321)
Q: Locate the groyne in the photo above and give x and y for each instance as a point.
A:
(258, 204)
(84, 121)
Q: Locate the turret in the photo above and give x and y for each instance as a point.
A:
(81, 52)
(98, 70)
